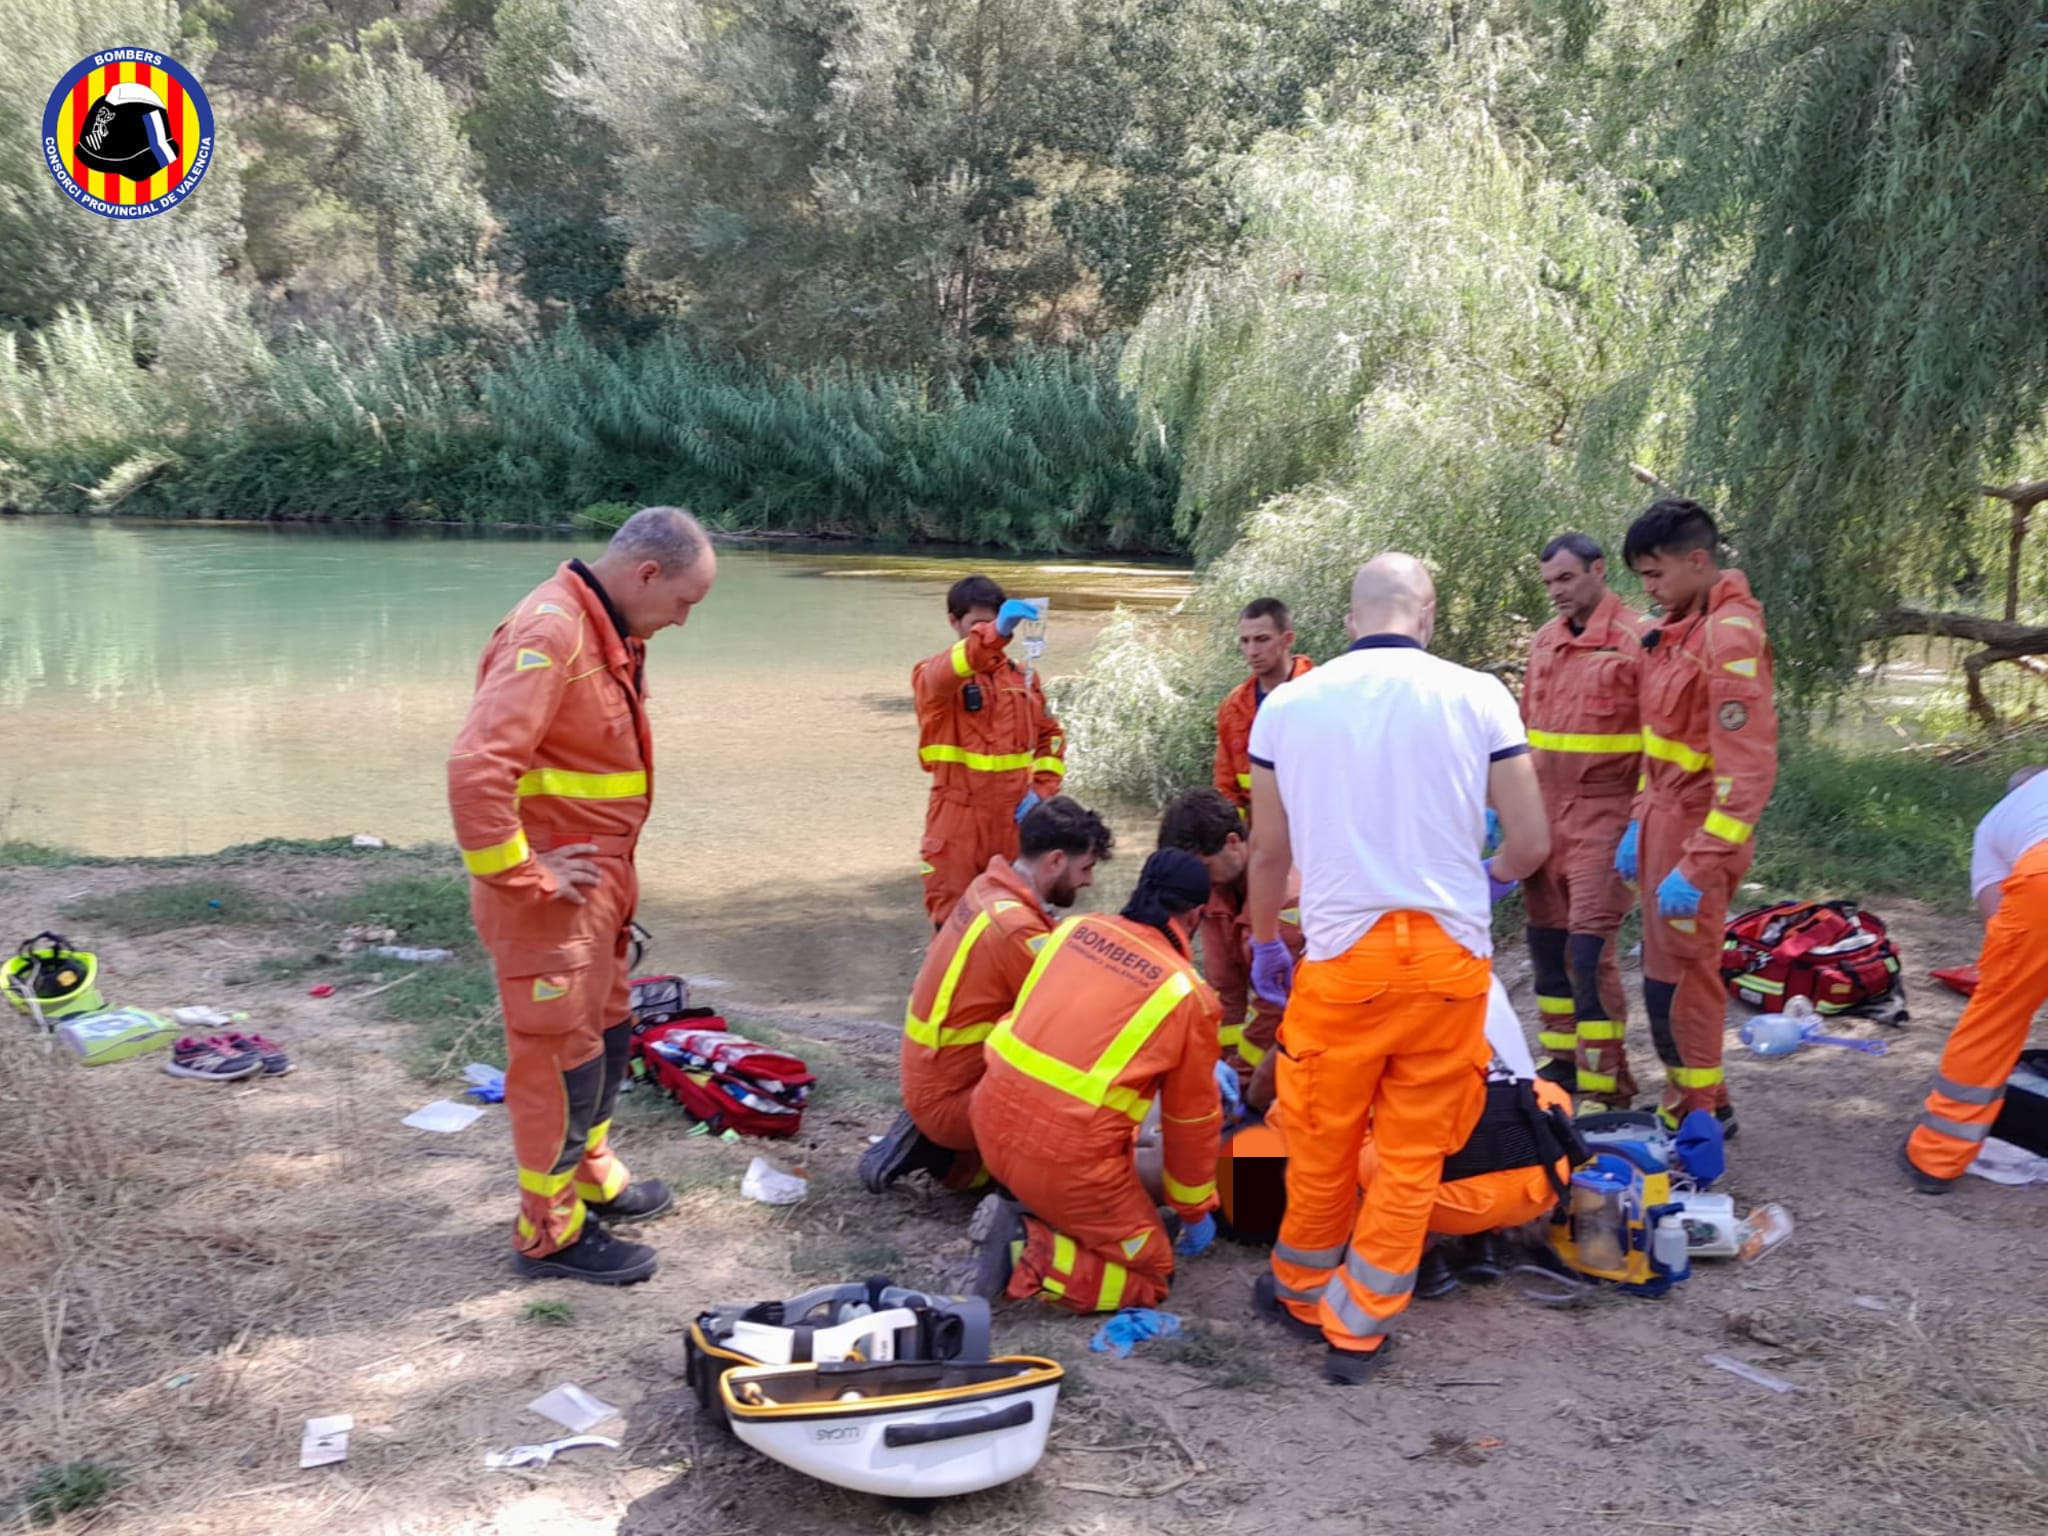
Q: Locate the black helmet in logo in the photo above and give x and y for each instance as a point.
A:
(127, 134)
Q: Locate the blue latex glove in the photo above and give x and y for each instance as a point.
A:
(1492, 832)
(1678, 896)
(1132, 1327)
(1016, 611)
(1500, 890)
(1627, 858)
(1032, 801)
(1272, 970)
(1229, 1092)
(1196, 1236)
(1700, 1147)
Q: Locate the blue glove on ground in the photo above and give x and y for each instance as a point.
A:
(1700, 1147)
(1229, 1092)
(1016, 611)
(1196, 1236)
(1492, 832)
(1500, 890)
(1032, 801)
(1272, 970)
(1132, 1327)
(1678, 896)
(1626, 857)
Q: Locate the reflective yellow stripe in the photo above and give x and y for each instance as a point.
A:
(1759, 984)
(1727, 828)
(1063, 1254)
(1098, 1084)
(1049, 765)
(1251, 1055)
(1597, 1082)
(979, 761)
(613, 1186)
(1112, 1294)
(1665, 750)
(1602, 1029)
(961, 666)
(1229, 1035)
(1695, 1077)
(932, 1032)
(569, 1233)
(598, 1132)
(582, 786)
(1188, 1194)
(1554, 1004)
(509, 854)
(547, 1185)
(1551, 1040)
(1581, 741)
(1244, 781)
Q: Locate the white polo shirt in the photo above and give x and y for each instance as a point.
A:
(2008, 830)
(1381, 757)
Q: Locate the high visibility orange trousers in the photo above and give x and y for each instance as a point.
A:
(1992, 1032)
(1574, 901)
(568, 1031)
(959, 840)
(1093, 1239)
(1390, 1038)
(1682, 990)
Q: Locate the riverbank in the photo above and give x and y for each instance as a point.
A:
(194, 1269)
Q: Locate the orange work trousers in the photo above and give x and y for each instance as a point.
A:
(1576, 902)
(959, 840)
(1093, 1239)
(940, 1109)
(1682, 990)
(1388, 1039)
(568, 1031)
(1992, 1032)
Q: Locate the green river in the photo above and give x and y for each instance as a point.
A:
(176, 689)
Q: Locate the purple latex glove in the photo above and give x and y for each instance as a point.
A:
(1272, 970)
(1499, 890)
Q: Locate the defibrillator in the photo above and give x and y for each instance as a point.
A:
(1607, 1225)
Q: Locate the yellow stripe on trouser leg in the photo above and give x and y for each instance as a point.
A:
(1598, 1037)
(546, 1185)
(1550, 1036)
(1111, 1296)
(1696, 1077)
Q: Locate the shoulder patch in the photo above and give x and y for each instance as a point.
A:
(555, 608)
(1745, 667)
(1724, 785)
(1734, 715)
(1737, 621)
(530, 659)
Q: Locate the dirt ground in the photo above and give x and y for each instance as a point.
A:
(191, 1270)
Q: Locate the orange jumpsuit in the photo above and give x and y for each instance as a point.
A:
(1249, 1021)
(986, 736)
(1710, 750)
(1405, 1009)
(1969, 1089)
(1580, 703)
(1111, 1017)
(972, 971)
(556, 750)
(1234, 718)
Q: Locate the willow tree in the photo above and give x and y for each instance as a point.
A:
(1870, 387)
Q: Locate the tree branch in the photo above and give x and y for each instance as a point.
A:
(2002, 639)
(2021, 493)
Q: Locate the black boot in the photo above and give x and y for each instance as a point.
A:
(1923, 1183)
(902, 1149)
(997, 1229)
(641, 1200)
(1437, 1274)
(1487, 1258)
(1266, 1302)
(1353, 1368)
(596, 1257)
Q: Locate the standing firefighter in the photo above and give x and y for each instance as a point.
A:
(1585, 726)
(2009, 878)
(1265, 638)
(1710, 759)
(1373, 774)
(1111, 1018)
(987, 739)
(550, 783)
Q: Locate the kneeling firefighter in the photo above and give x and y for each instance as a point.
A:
(1111, 1017)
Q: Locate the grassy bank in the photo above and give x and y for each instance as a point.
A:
(1043, 453)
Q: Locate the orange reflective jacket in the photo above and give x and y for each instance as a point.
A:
(1581, 704)
(556, 748)
(1111, 1017)
(970, 978)
(1710, 720)
(987, 756)
(1234, 718)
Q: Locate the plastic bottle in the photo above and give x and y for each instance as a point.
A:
(1774, 1034)
(1600, 1219)
(1669, 1248)
(1763, 1229)
(417, 956)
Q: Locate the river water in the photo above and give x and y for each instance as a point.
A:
(177, 689)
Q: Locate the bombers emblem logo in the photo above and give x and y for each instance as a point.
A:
(128, 133)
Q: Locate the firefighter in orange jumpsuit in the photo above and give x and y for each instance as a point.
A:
(549, 783)
(1111, 1018)
(986, 737)
(2009, 878)
(1580, 703)
(1265, 638)
(971, 973)
(1710, 760)
(1207, 825)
